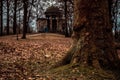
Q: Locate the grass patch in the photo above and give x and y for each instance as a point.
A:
(70, 72)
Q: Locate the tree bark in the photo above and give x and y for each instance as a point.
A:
(29, 15)
(7, 17)
(66, 26)
(14, 23)
(1, 18)
(93, 42)
(25, 5)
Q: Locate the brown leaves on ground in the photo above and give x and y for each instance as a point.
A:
(24, 59)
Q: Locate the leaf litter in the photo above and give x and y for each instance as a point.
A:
(26, 59)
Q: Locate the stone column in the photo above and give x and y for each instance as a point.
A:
(51, 27)
(58, 28)
(48, 23)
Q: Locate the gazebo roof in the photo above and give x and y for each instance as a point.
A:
(52, 10)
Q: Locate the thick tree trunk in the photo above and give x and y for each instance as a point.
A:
(14, 23)
(93, 42)
(93, 34)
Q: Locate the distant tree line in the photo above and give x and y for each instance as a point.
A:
(115, 16)
(16, 15)
(67, 6)
(12, 10)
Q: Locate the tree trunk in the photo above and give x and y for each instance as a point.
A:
(93, 42)
(7, 28)
(29, 15)
(7, 17)
(25, 5)
(66, 26)
(93, 33)
(19, 31)
(14, 23)
(1, 18)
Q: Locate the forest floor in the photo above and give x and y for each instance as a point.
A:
(24, 59)
(32, 59)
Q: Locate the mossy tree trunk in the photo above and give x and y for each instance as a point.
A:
(93, 33)
(93, 40)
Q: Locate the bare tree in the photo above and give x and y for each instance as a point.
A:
(29, 17)
(1, 17)
(65, 13)
(8, 4)
(67, 7)
(15, 19)
(25, 6)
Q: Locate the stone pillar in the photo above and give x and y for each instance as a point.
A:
(58, 28)
(54, 24)
(51, 27)
(48, 23)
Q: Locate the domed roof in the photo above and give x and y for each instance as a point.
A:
(52, 9)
